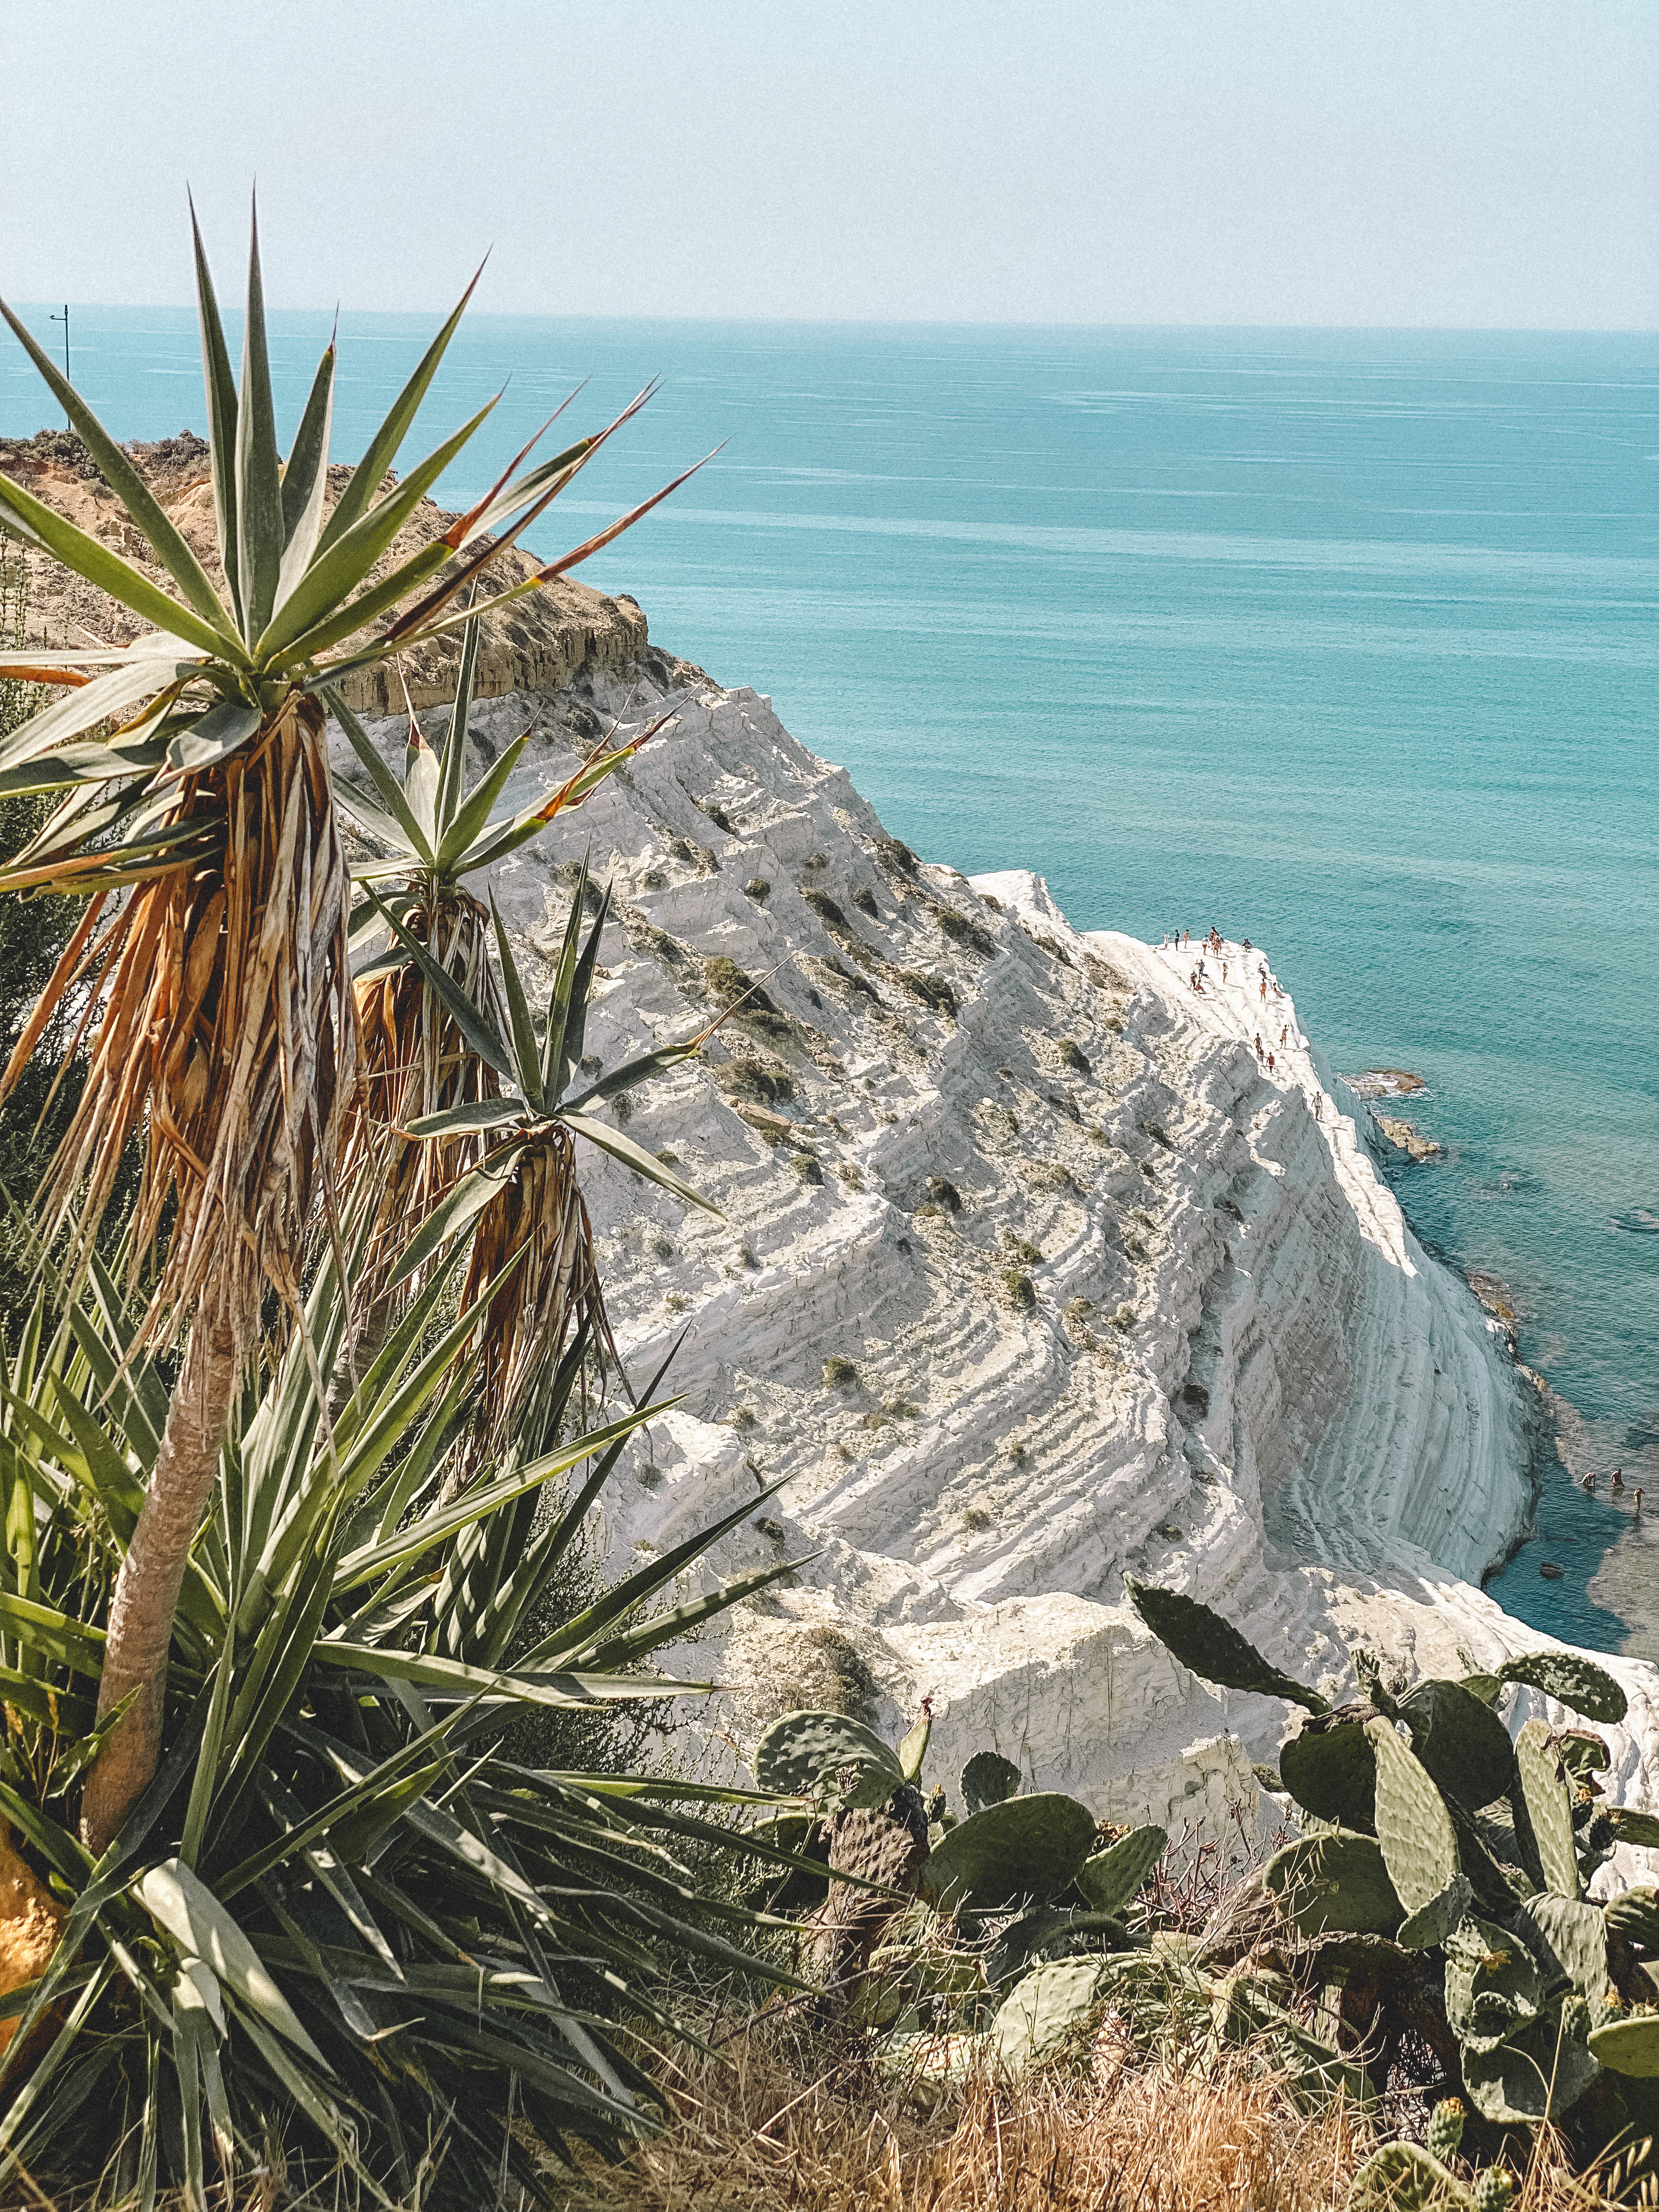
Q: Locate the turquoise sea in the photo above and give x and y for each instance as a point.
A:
(1343, 640)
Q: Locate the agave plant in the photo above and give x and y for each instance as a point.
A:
(416, 1062)
(218, 990)
(343, 1911)
(532, 1240)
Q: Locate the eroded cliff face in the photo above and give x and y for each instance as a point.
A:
(1028, 1276)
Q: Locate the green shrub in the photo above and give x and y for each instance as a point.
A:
(930, 990)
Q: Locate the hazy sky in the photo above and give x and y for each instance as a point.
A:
(1457, 162)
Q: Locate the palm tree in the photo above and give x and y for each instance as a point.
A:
(532, 1247)
(217, 990)
(414, 1061)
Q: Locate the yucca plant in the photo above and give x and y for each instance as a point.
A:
(343, 1915)
(433, 833)
(217, 989)
(532, 1240)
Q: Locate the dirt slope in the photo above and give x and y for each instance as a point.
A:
(539, 644)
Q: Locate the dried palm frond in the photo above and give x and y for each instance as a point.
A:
(523, 1192)
(549, 1290)
(226, 1039)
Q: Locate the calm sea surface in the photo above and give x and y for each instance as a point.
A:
(1343, 640)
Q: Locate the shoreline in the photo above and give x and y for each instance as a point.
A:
(1560, 1454)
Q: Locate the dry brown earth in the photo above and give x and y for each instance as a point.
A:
(540, 644)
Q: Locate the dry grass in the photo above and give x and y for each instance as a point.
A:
(752, 2136)
(763, 2127)
(775, 2123)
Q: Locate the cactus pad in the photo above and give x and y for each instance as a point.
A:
(1463, 1744)
(1535, 2076)
(1112, 1878)
(1413, 1824)
(1432, 1923)
(1582, 1752)
(1630, 2045)
(816, 1754)
(1336, 1881)
(1492, 2191)
(1329, 1768)
(1493, 1989)
(1543, 1808)
(1041, 2011)
(988, 1778)
(782, 1889)
(1050, 1929)
(1403, 2177)
(1209, 1646)
(1569, 1942)
(913, 1748)
(1570, 1680)
(1630, 1826)
(1024, 1850)
(1444, 2132)
(1635, 1915)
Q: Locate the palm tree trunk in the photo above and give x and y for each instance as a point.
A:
(358, 1354)
(147, 1589)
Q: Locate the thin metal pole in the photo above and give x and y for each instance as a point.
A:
(63, 319)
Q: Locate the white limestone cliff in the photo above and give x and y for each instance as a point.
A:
(1116, 1299)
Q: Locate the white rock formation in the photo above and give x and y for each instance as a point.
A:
(1114, 1298)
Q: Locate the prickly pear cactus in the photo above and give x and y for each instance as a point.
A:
(1403, 2177)
(1461, 1742)
(785, 1889)
(1040, 2012)
(1635, 1915)
(987, 1779)
(1444, 2133)
(1329, 1768)
(885, 1845)
(1335, 1882)
(1570, 1680)
(811, 1754)
(1111, 1878)
(1208, 1645)
(1544, 1808)
(1412, 1825)
(1024, 1851)
(1629, 2043)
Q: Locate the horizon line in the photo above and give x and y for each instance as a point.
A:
(894, 322)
